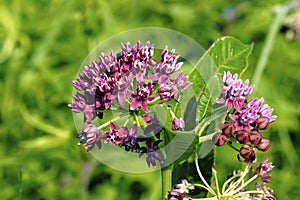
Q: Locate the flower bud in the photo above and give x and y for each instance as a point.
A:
(262, 123)
(228, 128)
(248, 153)
(264, 144)
(255, 137)
(242, 136)
(177, 124)
(219, 139)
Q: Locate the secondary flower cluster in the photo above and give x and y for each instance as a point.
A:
(245, 119)
(237, 186)
(133, 79)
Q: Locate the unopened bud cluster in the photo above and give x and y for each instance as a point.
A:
(245, 119)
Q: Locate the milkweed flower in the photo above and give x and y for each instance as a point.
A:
(263, 169)
(245, 118)
(235, 91)
(90, 136)
(180, 191)
(133, 80)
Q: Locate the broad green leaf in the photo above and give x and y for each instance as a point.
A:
(190, 114)
(226, 54)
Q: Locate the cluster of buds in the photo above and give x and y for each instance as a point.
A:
(180, 191)
(133, 79)
(245, 119)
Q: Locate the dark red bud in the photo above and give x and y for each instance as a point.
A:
(242, 136)
(247, 152)
(255, 137)
(264, 144)
(219, 139)
(228, 128)
(262, 123)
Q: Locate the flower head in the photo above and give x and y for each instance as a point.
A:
(235, 91)
(90, 136)
(263, 169)
(114, 135)
(142, 96)
(152, 152)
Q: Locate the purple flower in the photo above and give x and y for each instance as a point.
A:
(80, 104)
(168, 92)
(177, 124)
(90, 136)
(234, 91)
(114, 135)
(266, 111)
(265, 193)
(153, 154)
(263, 169)
(247, 116)
(175, 194)
(141, 97)
(166, 67)
(153, 125)
(181, 81)
(111, 63)
(130, 142)
(122, 90)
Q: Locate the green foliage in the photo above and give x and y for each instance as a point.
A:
(42, 44)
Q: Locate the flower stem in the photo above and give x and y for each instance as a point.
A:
(108, 123)
(209, 189)
(166, 177)
(206, 138)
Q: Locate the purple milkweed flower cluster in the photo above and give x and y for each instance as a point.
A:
(263, 171)
(245, 118)
(180, 191)
(133, 79)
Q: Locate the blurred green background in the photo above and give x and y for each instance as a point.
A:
(42, 44)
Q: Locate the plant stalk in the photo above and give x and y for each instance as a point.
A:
(166, 177)
(270, 40)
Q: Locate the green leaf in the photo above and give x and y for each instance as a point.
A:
(226, 54)
(190, 114)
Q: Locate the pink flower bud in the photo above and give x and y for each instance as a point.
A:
(177, 124)
(255, 137)
(264, 144)
(247, 152)
(242, 136)
(262, 123)
(228, 128)
(219, 139)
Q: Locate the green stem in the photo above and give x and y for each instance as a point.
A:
(206, 138)
(108, 123)
(210, 190)
(166, 177)
(270, 40)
